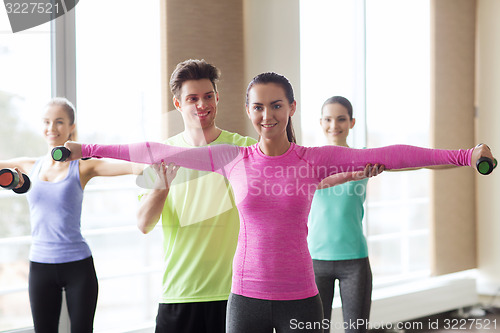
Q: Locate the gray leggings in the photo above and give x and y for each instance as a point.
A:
(355, 281)
(252, 315)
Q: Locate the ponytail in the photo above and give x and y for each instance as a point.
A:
(290, 133)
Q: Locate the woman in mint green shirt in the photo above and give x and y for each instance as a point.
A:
(336, 241)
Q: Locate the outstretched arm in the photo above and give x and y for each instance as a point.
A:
(24, 164)
(341, 159)
(432, 167)
(98, 168)
(481, 150)
(208, 158)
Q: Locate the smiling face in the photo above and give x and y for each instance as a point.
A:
(197, 103)
(336, 123)
(57, 126)
(269, 110)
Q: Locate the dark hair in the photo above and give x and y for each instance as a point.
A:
(340, 100)
(69, 108)
(192, 69)
(272, 77)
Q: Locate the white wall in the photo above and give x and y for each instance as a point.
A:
(488, 131)
(271, 31)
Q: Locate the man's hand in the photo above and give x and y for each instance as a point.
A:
(166, 174)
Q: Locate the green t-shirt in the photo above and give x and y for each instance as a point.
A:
(335, 222)
(200, 226)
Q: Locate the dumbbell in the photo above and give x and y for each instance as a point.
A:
(61, 154)
(485, 165)
(9, 179)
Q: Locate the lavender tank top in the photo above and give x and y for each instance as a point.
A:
(55, 211)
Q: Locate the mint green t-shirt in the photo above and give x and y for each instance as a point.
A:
(200, 226)
(335, 222)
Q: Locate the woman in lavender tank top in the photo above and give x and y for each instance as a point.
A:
(60, 257)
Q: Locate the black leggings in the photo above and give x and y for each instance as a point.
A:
(355, 282)
(252, 315)
(196, 317)
(46, 283)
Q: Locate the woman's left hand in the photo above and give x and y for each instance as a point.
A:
(76, 150)
(340, 178)
(371, 171)
(481, 150)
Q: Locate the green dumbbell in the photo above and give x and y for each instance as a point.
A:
(9, 179)
(485, 165)
(60, 154)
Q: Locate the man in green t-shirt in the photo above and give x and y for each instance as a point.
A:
(200, 222)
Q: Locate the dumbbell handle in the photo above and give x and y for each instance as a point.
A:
(485, 165)
(26, 186)
(62, 153)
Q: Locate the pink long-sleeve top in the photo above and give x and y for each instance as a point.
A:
(273, 195)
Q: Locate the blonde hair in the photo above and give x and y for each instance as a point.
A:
(69, 108)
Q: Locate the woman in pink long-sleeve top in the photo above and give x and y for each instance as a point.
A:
(274, 182)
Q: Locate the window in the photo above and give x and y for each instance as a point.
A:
(118, 96)
(376, 53)
(117, 101)
(398, 111)
(24, 89)
(332, 63)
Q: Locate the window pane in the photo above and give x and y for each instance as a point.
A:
(398, 112)
(24, 89)
(398, 71)
(395, 51)
(118, 101)
(418, 253)
(329, 61)
(118, 70)
(386, 256)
